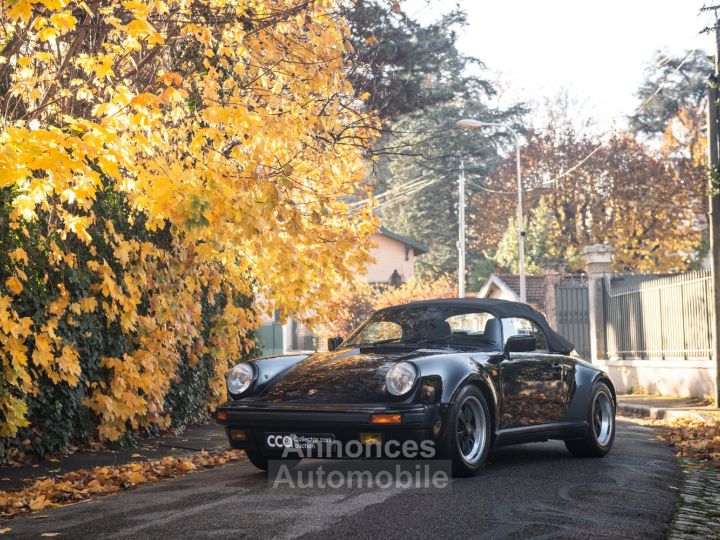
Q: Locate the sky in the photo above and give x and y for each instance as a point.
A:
(595, 51)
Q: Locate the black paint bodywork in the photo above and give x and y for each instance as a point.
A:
(533, 396)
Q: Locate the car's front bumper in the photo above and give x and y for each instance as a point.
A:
(346, 422)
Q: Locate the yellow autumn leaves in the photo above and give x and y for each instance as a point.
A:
(85, 483)
(691, 437)
(229, 127)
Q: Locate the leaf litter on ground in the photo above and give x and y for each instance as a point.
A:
(83, 484)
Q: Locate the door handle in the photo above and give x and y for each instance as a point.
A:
(557, 366)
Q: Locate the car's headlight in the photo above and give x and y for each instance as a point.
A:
(401, 378)
(240, 378)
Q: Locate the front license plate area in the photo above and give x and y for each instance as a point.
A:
(297, 441)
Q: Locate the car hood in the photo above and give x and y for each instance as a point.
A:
(342, 376)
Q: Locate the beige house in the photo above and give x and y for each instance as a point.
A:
(394, 264)
(394, 257)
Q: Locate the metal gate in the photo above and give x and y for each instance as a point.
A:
(573, 314)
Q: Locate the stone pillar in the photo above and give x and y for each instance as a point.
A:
(598, 261)
(554, 270)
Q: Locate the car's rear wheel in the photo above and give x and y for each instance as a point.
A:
(467, 436)
(601, 421)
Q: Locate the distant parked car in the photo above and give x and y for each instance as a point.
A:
(466, 374)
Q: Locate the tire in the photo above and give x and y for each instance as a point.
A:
(467, 437)
(258, 459)
(262, 461)
(601, 425)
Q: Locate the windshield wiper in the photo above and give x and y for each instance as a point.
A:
(381, 342)
(453, 341)
(418, 340)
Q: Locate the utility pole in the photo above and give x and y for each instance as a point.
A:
(461, 231)
(521, 222)
(714, 205)
(470, 123)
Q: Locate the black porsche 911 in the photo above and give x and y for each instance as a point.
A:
(467, 374)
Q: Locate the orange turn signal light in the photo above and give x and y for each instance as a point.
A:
(222, 415)
(238, 435)
(386, 418)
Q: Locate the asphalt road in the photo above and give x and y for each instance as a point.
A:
(529, 491)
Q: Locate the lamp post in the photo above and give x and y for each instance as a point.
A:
(470, 123)
(461, 232)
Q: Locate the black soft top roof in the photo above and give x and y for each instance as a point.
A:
(501, 309)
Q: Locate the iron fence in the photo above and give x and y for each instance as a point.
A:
(573, 313)
(665, 318)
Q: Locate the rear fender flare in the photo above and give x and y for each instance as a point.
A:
(586, 377)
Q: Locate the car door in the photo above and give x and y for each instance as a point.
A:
(534, 384)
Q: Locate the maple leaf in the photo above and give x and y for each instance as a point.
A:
(14, 285)
(84, 483)
(240, 160)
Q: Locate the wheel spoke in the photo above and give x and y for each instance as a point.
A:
(461, 417)
(470, 417)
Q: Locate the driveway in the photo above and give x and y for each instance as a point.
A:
(528, 491)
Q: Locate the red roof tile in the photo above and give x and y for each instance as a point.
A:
(534, 287)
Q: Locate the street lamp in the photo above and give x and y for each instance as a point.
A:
(469, 123)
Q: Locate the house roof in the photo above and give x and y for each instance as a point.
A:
(417, 247)
(510, 283)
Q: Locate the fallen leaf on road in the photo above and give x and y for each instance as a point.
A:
(5, 530)
(83, 484)
(136, 478)
(50, 534)
(39, 503)
(692, 438)
(186, 466)
(136, 455)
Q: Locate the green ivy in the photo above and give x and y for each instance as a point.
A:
(58, 419)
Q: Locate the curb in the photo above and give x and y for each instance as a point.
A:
(660, 413)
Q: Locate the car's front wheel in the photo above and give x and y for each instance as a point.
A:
(261, 460)
(601, 431)
(467, 435)
(258, 459)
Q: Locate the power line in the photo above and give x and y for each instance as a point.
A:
(412, 187)
(407, 194)
(642, 106)
(478, 186)
(394, 191)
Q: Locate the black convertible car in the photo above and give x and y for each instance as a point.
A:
(465, 374)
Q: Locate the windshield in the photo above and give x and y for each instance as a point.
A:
(436, 325)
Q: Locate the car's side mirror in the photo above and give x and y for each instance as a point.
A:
(517, 344)
(334, 343)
